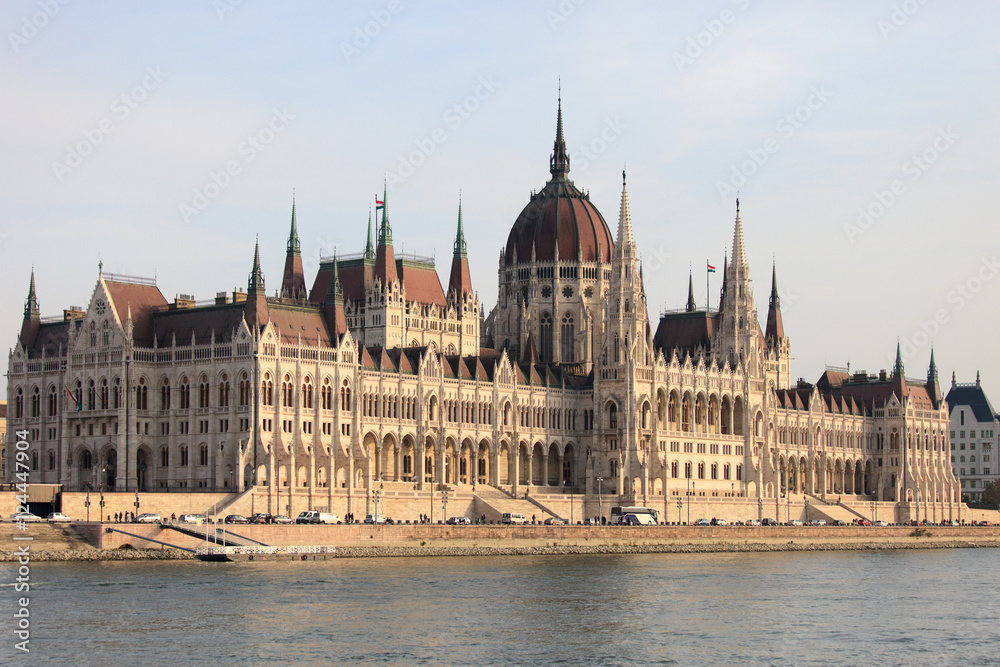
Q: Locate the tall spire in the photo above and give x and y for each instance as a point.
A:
(460, 280)
(255, 283)
(32, 316)
(293, 234)
(690, 304)
(775, 329)
(897, 369)
(385, 258)
(559, 162)
(739, 252)
(334, 304)
(369, 246)
(31, 304)
(624, 240)
(293, 281)
(460, 245)
(932, 371)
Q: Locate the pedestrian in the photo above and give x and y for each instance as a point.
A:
(173, 516)
(532, 518)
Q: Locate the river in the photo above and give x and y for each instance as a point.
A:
(824, 608)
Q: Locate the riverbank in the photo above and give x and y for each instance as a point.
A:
(132, 554)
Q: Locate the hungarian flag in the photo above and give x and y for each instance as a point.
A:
(379, 204)
(711, 269)
(76, 400)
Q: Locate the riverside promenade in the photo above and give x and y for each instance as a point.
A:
(104, 541)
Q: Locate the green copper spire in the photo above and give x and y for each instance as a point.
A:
(898, 369)
(385, 230)
(690, 304)
(369, 247)
(293, 235)
(932, 372)
(460, 245)
(31, 305)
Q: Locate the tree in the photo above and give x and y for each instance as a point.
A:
(991, 495)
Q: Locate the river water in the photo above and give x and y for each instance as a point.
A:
(824, 608)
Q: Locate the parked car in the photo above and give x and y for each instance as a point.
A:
(512, 518)
(27, 518)
(795, 522)
(57, 517)
(281, 519)
(374, 518)
(864, 522)
(817, 522)
(554, 521)
(769, 522)
(840, 522)
(590, 521)
(721, 522)
(753, 522)
(457, 521)
(196, 519)
(312, 516)
(235, 518)
(148, 517)
(261, 517)
(703, 522)
(881, 523)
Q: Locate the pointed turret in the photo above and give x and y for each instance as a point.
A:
(624, 245)
(739, 252)
(255, 307)
(899, 376)
(32, 316)
(933, 386)
(293, 284)
(460, 281)
(369, 246)
(725, 272)
(385, 258)
(775, 330)
(690, 304)
(559, 162)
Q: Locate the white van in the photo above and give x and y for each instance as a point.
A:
(312, 516)
(512, 518)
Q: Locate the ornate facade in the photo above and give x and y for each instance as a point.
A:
(378, 375)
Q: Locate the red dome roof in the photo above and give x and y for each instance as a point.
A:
(559, 222)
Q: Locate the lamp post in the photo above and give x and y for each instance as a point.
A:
(100, 517)
(444, 504)
(376, 494)
(679, 506)
(760, 508)
(570, 502)
(86, 503)
(137, 503)
(600, 511)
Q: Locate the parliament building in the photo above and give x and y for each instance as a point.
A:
(381, 383)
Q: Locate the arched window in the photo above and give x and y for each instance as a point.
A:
(53, 402)
(36, 402)
(307, 394)
(224, 391)
(267, 390)
(93, 334)
(612, 415)
(567, 339)
(165, 395)
(287, 400)
(118, 393)
(141, 395)
(106, 333)
(104, 394)
(91, 396)
(164, 456)
(203, 392)
(185, 398)
(326, 394)
(345, 397)
(244, 389)
(86, 460)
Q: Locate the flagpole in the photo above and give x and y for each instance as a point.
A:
(707, 290)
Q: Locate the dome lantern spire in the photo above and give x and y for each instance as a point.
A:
(559, 162)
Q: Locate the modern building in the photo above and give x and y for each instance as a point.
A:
(378, 377)
(975, 437)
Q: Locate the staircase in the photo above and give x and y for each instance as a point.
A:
(494, 502)
(822, 509)
(227, 502)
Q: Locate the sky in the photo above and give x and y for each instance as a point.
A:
(163, 138)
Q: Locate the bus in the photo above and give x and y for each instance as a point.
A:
(633, 516)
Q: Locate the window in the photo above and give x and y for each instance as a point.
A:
(184, 455)
(307, 394)
(612, 415)
(185, 398)
(224, 391)
(545, 337)
(567, 338)
(203, 455)
(203, 393)
(164, 456)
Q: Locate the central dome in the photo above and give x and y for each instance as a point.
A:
(559, 222)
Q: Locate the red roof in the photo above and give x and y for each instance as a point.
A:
(143, 300)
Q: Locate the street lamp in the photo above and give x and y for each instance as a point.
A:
(600, 512)
(679, 505)
(137, 503)
(444, 503)
(377, 493)
(101, 504)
